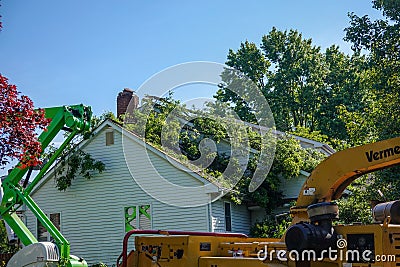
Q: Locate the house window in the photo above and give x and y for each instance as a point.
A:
(42, 234)
(109, 137)
(228, 217)
(137, 217)
(56, 220)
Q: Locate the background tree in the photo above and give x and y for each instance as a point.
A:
(356, 207)
(271, 228)
(250, 61)
(344, 89)
(304, 87)
(296, 83)
(5, 246)
(288, 69)
(345, 100)
(380, 41)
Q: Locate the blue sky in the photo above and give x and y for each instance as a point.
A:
(86, 51)
(68, 52)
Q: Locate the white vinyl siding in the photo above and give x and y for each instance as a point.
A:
(291, 187)
(93, 210)
(240, 217)
(218, 216)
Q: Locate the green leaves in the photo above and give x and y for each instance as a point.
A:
(100, 264)
(290, 159)
(303, 86)
(270, 228)
(376, 118)
(76, 163)
(249, 60)
(294, 85)
(381, 39)
(5, 246)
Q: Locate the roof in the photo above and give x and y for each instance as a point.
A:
(214, 187)
(324, 148)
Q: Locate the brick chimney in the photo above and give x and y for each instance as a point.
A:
(123, 100)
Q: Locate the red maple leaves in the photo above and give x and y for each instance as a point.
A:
(18, 123)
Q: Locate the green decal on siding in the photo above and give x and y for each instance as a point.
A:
(145, 211)
(130, 218)
(137, 217)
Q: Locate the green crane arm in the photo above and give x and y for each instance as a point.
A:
(75, 119)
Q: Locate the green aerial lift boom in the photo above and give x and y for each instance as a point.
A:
(74, 119)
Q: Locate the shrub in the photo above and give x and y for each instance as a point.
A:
(269, 228)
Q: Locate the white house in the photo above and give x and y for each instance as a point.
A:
(95, 214)
(142, 188)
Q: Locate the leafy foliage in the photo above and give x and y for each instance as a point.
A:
(73, 163)
(378, 120)
(159, 121)
(295, 86)
(309, 134)
(185, 142)
(18, 122)
(290, 159)
(5, 246)
(344, 87)
(356, 207)
(305, 87)
(269, 228)
(381, 38)
(334, 98)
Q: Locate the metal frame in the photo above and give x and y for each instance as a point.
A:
(74, 119)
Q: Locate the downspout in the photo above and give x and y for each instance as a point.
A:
(210, 218)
